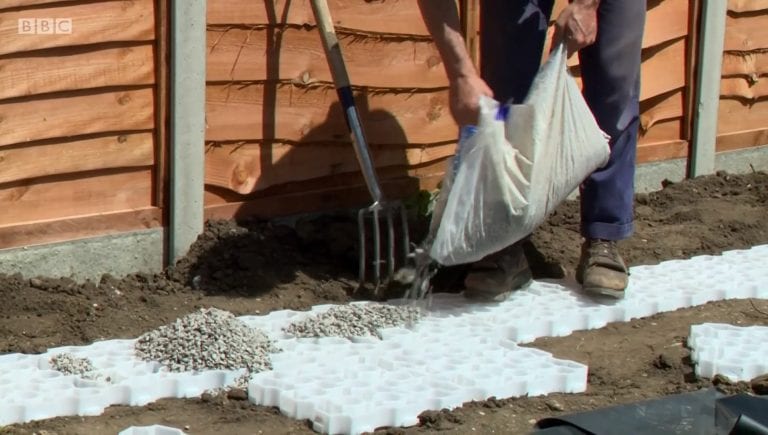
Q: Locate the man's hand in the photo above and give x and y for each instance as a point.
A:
(577, 25)
(466, 86)
(465, 93)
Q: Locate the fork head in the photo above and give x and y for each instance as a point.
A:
(395, 237)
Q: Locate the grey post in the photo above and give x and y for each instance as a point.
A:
(187, 129)
(707, 96)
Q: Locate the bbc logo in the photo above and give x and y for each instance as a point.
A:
(45, 26)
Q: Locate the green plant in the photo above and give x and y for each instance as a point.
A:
(422, 204)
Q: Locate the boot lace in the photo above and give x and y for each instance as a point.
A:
(605, 249)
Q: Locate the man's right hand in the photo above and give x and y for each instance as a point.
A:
(466, 86)
(465, 93)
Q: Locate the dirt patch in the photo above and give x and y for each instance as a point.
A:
(257, 267)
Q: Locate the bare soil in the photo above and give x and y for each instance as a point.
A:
(257, 267)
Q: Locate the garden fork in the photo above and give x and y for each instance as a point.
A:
(390, 209)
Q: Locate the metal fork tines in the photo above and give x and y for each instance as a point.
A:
(374, 212)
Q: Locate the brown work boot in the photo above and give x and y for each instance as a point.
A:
(601, 269)
(496, 276)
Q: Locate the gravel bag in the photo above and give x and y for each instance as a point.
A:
(520, 163)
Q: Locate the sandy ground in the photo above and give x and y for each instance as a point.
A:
(258, 267)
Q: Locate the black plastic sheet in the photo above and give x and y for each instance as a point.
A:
(705, 412)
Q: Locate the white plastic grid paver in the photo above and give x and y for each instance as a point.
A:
(737, 352)
(460, 351)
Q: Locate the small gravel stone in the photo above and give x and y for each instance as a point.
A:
(760, 385)
(554, 405)
(237, 394)
(354, 321)
(210, 339)
(719, 379)
(72, 365)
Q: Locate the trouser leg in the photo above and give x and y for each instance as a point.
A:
(611, 76)
(511, 42)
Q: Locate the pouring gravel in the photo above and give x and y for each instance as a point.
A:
(357, 320)
(210, 339)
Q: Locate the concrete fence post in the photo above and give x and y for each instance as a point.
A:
(707, 98)
(187, 129)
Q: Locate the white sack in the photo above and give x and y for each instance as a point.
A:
(512, 173)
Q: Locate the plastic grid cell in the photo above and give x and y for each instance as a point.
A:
(152, 430)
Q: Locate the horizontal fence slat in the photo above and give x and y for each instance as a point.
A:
(749, 64)
(67, 70)
(73, 228)
(92, 23)
(237, 112)
(297, 55)
(385, 16)
(658, 151)
(68, 197)
(665, 22)
(246, 168)
(664, 70)
(662, 108)
(315, 196)
(740, 6)
(8, 4)
(216, 195)
(746, 33)
(314, 200)
(736, 115)
(78, 114)
(751, 88)
(664, 131)
(742, 139)
(110, 152)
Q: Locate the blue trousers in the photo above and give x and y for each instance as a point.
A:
(512, 39)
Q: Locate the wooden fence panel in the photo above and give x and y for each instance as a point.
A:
(80, 144)
(274, 126)
(107, 21)
(744, 84)
(666, 81)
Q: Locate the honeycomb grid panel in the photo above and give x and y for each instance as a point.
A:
(737, 352)
(459, 351)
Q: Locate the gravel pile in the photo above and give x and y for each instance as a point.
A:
(210, 339)
(354, 321)
(72, 365)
